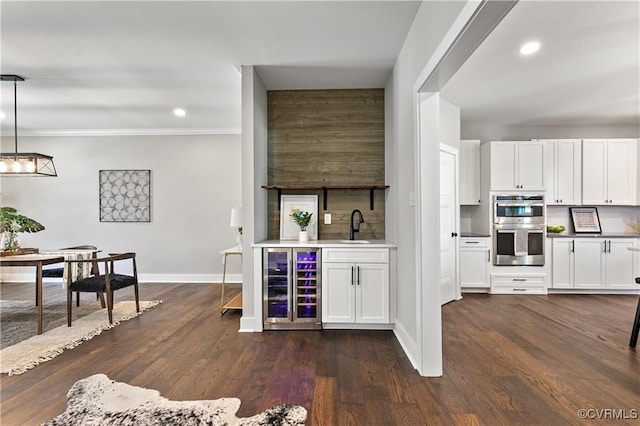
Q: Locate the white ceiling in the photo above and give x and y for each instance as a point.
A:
(124, 66)
(121, 67)
(587, 70)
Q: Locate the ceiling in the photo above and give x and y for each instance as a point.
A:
(122, 67)
(587, 70)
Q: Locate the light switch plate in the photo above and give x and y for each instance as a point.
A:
(327, 218)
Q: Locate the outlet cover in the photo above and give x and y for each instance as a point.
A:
(327, 218)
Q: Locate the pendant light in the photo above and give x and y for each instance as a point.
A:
(23, 163)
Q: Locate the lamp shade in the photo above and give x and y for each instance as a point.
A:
(236, 217)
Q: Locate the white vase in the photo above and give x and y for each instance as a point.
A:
(303, 236)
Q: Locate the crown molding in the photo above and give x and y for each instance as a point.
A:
(133, 132)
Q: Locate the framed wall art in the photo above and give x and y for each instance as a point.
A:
(288, 228)
(125, 195)
(585, 220)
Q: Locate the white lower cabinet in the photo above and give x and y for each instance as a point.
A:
(530, 283)
(355, 286)
(594, 263)
(475, 260)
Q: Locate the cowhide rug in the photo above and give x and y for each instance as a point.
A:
(98, 400)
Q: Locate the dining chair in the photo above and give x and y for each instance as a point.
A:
(106, 281)
(59, 272)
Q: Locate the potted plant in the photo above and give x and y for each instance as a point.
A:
(302, 219)
(11, 223)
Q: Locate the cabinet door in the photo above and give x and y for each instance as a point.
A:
(567, 172)
(530, 167)
(620, 263)
(588, 263)
(594, 171)
(563, 263)
(338, 292)
(474, 268)
(469, 172)
(503, 166)
(372, 293)
(621, 171)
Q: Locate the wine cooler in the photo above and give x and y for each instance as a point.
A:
(291, 288)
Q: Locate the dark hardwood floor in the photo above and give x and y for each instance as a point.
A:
(509, 360)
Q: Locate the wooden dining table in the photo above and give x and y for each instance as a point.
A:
(37, 260)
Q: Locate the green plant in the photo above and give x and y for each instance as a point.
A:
(12, 221)
(302, 218)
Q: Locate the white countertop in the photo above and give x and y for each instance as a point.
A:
(602, 235)
(326, 243)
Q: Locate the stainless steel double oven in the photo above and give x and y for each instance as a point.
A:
(518, 229)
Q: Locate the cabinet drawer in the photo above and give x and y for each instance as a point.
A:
(518, 284)
(360, 255)
(466, 242)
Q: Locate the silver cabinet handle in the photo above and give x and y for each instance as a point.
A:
(605, 246)
(573, 246)
(352, 275)
(519, 279)
(488, 255)
(358, 275)
(472, 242)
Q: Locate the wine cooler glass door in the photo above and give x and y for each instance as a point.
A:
(277, 278)
(306, 303)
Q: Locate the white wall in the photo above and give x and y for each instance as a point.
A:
(449, 124)
(254, 198)
(429, 27)
(195, 181)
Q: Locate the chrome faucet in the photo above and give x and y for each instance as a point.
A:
(354, 229)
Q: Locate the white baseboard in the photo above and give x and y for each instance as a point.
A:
(247, 325)
(408, 344)
(28, 277)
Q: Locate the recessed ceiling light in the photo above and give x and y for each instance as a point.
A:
(529, 48)
(179, 112)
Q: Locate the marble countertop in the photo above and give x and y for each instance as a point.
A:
(327, 243)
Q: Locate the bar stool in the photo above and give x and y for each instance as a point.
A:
(636, 324)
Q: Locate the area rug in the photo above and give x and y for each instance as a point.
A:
(31, 352)
(18, 318)
(98, 400)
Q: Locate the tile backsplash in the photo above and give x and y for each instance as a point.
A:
(613, 219)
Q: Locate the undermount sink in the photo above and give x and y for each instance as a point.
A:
(354, 241)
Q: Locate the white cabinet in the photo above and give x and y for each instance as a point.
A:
(588, 262)
(594, 263)
(475, 260)
(355, 286)
(469, 172)
(562, 264)
(609, 171)
(517, 165)
(563, 171)
(518, 283)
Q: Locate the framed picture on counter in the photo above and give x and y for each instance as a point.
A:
(585, 220)
(288, 203)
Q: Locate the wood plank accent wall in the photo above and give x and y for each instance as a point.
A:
(324, 138)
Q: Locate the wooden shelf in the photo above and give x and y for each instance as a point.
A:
(234, 303)
(325, 188)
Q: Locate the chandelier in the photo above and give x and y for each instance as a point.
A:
(23, 163)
